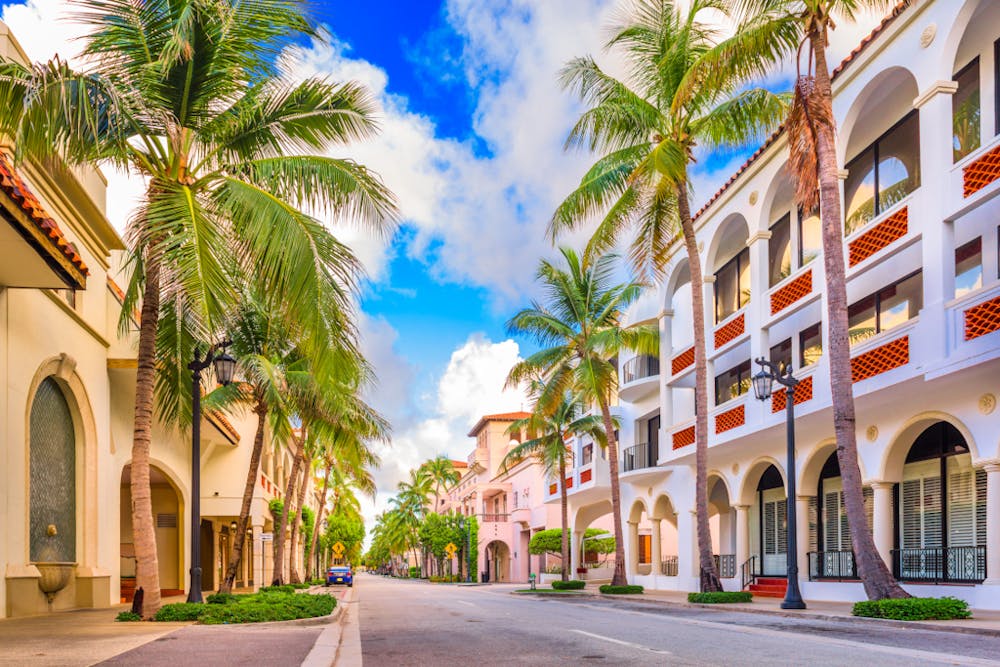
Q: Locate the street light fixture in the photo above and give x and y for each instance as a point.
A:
(225, 366)
(763, 384)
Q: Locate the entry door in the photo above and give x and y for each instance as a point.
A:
(774, 531)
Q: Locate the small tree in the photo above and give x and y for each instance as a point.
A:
(549, 542)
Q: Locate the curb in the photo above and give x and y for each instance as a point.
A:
(325, 649)
(855, 620)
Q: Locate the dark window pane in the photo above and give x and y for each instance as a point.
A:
(811, 344)
(861, 322)
(900, 303)
(859, 190)
(810, 239)
(969, 267)
(726, 289)
(734, 382)
(898, 163)
(965, 110)
(779, 251)
(743, 260)
(782, 353)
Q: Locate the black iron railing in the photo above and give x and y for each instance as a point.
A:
(668, 566)
(939, 564)
(748, 572)
(726, 565)
(637, 457)
(839, 565)
(640, 367)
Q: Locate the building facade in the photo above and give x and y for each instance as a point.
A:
(67, 396)
(916, 107)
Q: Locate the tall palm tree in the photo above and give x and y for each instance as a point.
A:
(563, 421)
(646, 128)
(777, 29)
(345, 476)
(443, 476)
(580, 331)
(190, 95)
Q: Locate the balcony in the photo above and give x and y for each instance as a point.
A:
(494, 518)
(591, 481)
(639, 378)
(637, 457)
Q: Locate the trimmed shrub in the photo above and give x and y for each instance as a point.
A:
(220, 598)
(284, 588)
(720, 597)
(269, 607)
(444, 579)
(299, 586)
(318, 582)
(128, 617)
(608, 589)
(914, 609)
(180, 611)
(571, 585)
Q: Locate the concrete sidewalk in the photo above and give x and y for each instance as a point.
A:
(983, 621)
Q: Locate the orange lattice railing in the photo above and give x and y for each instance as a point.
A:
(730, 419)
(586, 476)
(803, 392)
(684, 437)
(553, 488)
(569, 482)
(788, 294)
(682, 361)
(982, 319)
(729, 331)
(881, 359)
(977, 175)
(881, 235)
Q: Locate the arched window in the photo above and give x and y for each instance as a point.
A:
(52, 476)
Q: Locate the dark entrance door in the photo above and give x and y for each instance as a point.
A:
(207, 560)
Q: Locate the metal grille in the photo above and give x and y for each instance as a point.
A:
(682, 361)
(52, 476)
(981, 173)
(982, 319)
(803, 393)
(881, 359)
(729, 331)
(730, 419)
(683, 438)
(167, 521)
(881, 235)
(792, 292)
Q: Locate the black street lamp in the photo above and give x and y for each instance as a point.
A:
(763, 383)
(225, 366)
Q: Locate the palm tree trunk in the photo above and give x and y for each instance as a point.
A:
(873, 571)
(319, 516)
(241, 528)
(564, 514)
(293, 557)
(279, 538)
(618, 578)
(147, 569)
(708, 574)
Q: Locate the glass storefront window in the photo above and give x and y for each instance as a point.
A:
(965, 111)
(969, 267)
(734, 382)
(732, 285)
(781, 353)
(811, 344)
(779, 250)
(884, 173)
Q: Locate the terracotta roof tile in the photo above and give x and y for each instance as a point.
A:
(14, 187)
(224, 425)
(885, 23)
(503, 416)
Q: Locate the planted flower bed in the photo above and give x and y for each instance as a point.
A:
(914, 609)
(720, 597)
(279, 603)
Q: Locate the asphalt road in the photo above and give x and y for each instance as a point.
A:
(416, 623)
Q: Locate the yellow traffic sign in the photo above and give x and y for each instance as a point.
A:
(451, 549)
(338, 549)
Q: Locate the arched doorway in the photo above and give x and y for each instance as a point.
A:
(722, 525)
(941, 517)
(167, 524)
(769, 524)
(497, 562)
(829, 532)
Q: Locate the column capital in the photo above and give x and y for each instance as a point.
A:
(758, 236)
(666, 312)
(707, 280)
(804, 496)
(936, 88)
(881, 485)
(741, 508)
(991, 466)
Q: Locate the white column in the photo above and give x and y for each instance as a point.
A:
(882, 520)
(665, 394)
(742, 534)
(575, 544)
(992, 523)
(687, 545)
(260, 554)
(633, 549)
(802, 534)
(656, 550)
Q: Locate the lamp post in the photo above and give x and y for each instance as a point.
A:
(225, 366)
(763, 383)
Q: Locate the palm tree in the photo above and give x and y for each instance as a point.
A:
(579, 329)
(646, 128)
(345, 478)
(443, 476)
(566, 420)
(777, 29)
(190, 95)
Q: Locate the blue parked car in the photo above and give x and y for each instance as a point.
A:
(340, 574)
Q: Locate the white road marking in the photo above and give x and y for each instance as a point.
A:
(619, 641)
(949, 659)
(464, 602)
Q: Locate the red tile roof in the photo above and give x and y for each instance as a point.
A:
(851, 57)
(502, 417)
(17, 190)
(224, 425)
(459, 464)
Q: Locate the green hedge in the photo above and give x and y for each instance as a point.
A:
(414, 572)
(914, 609)
(270, 607)
(128, 617)
(284, 588)
(220, 598)
(608, 589)
(300, 586)
(720, 597)
(444, 579)
(180, 611)
(571, 585)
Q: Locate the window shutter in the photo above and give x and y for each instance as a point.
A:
(831, 521)
(813, 540)
(961, 505)
(910, 519)
(980, 507)
(769, 528)
(931, 512)
(782, 520)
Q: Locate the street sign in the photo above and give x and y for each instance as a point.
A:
(451, 549)
(338, 549)
(267, 537)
